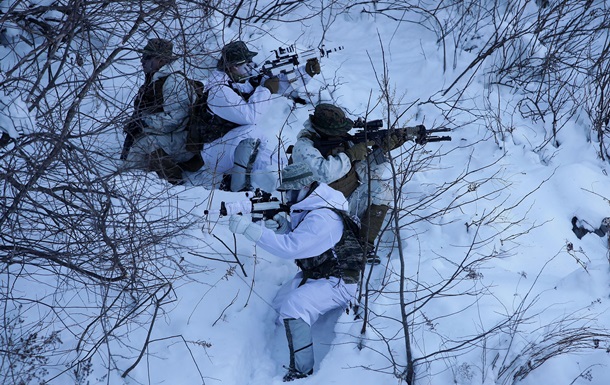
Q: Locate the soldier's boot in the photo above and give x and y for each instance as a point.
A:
(5, 138)
(605, 228)
(165, 167)
(245, 155)
(371, 223)
(300, 345)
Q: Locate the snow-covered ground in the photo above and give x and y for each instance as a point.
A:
(485, 224)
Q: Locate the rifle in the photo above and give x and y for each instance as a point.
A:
(132, 130)
(261, 206)
(373, 131)
(287, 59)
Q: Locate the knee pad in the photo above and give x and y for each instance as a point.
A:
(244, 157)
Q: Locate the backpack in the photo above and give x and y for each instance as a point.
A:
(204, 126)
(198, 118)
(345, 260)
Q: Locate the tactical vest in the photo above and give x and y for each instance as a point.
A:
(348, 183)
(213, 126)
(149, 99)
(345, 260)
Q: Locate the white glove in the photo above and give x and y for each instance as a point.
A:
(239, 224)
(283, 224)
(271, 224)
(279, 224)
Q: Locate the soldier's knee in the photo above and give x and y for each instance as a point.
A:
(244, 157)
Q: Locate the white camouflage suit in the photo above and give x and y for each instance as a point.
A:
(229, 105)
(167, 129)
(314, 229)
(334, 167)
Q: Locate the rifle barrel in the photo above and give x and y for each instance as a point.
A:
(438, 138)
(443, 129)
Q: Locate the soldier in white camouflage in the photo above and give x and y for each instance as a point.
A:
(345, 167)
(237, 99)
(156, 134)
(320, 237)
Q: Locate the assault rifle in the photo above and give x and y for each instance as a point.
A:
(261, 206)
(372, 131)
(287, 59)
(132, 130)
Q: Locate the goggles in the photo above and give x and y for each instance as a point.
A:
(245, 69)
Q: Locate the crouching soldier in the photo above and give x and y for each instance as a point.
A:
(345, 168)
(323, 241)
(234, 143)
(156, 136)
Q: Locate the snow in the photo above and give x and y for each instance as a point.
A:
(497, 199)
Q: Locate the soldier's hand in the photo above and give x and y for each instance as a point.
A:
(312, 67)
(279, 224)
(421, 134)
(239, 224)
(358, 151)
(272, 84)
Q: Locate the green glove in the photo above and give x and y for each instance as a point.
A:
(358, 151)
(417, 133)
(312, 67)
(272, 84)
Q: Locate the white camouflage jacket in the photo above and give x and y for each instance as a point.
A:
(328, 169)
(315, 227)
(229, 105)
(166, 129)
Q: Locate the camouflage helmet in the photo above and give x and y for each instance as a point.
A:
(295, 176)
(330, 120)
(158, 48)
(235, 52)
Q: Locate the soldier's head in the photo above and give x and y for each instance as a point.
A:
(157, 53)
(298, 181)
(236, 60)
(330, 120)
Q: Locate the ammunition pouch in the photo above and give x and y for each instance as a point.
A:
(347, 184)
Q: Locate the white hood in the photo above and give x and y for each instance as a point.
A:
(315, 229)
(322, 197)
